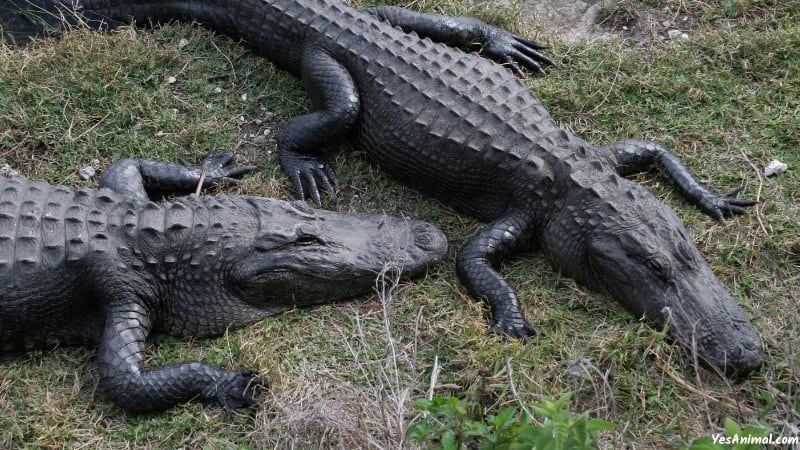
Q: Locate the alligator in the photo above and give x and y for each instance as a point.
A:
(466, 130)
(107, 267)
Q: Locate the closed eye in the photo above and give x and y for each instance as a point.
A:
(307, 239)
(660, 266)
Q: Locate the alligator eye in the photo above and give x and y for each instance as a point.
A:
(307, 239)
(660, 266)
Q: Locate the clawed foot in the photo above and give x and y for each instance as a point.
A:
(310, 174)
(217, 169)
(726, 205)
(513, 50)
(518, 328)
(236, 390)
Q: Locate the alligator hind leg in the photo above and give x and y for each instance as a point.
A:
(335, 101)
(135, 177)
(474, 267)
(506, 48)
(124, 379)
(637, 155)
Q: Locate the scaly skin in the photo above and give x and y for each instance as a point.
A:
(467, 131)
(109, 267)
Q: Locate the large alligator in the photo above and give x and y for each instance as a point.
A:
(106, 267)
(466, 130)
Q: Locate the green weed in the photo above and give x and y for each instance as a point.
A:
(454, 423)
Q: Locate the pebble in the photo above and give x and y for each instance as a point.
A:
(775, 167)
(677, 34)
(7, 171)
(87, 173)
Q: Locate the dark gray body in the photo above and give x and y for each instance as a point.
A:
(93, 267)
(467, 131)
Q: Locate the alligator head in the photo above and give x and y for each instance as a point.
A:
(304, 256)
(634, 247)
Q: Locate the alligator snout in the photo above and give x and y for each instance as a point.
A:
(746, 357)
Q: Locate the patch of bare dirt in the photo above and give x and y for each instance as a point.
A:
(573, 21)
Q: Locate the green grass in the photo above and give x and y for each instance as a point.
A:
(727, 101)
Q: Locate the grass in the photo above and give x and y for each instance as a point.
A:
(346, 375)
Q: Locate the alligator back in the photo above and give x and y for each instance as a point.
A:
(46, 235)
(445, 121)
(63, 251)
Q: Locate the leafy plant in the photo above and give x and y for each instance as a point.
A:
(454, 423)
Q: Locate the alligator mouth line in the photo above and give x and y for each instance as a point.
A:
(323, 276)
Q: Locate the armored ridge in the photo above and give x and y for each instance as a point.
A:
(59, 245)
(97, 267)
(466, 130)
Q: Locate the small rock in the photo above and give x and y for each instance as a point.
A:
(87, 173)
(7, 171)
(260, 139)
(677, 34)
(577, 369)
(775, 167)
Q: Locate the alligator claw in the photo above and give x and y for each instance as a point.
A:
(726, 205)
(515, 51)
(218, 169)
(515, 329)
(237, 390)
(310, 175)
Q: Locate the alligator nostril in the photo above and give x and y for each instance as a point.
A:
(752, 346)
(745, 358)
(427, 237)
(422, 237)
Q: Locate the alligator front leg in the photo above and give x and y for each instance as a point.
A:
(134, 389)
(474, 267)
(632, 156)
(335, 100)
(499, 44)
(135, 177)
